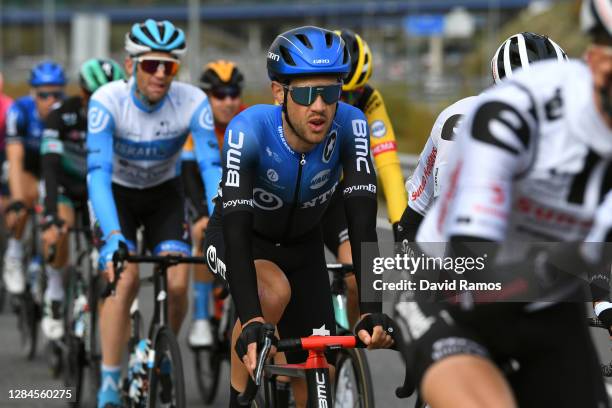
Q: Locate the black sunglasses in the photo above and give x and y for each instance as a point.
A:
(222, 93)
(151, 65)
(45, 95)
(306, 95)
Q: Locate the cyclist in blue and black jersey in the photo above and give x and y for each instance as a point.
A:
(24, 127)
(281, 165)
(136, 130)
(64, 168)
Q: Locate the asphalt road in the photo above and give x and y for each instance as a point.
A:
(17, 373)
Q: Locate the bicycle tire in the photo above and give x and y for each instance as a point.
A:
(166, 345)
(27, 324)
(352, 365)
(208, 371)
(74, 365)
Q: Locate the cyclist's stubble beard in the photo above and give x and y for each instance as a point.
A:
(300, 128)
(151, 88)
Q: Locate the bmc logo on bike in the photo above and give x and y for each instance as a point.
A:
(321, 391)
(232, 178)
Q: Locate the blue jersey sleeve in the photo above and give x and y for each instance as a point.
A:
(15, 124)
(100, 129)
(206, 150)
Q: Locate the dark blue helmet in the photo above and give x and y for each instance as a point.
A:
(307, 51)
(47, 73)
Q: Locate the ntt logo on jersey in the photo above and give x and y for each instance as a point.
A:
(97, 119)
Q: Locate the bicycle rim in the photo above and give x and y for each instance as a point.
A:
(353, 383)
(208, 370)
(166, 381)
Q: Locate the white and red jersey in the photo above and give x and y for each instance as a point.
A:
(424, 185)
(531, 162)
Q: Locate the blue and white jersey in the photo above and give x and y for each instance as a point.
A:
(23, 125)
(138, 146)
(288, 191)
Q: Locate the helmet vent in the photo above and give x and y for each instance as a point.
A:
(304, 40)
(287, 56)
(329, 39)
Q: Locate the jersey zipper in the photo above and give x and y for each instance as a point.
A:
(296, 197)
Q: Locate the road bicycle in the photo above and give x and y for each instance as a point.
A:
(155, 374)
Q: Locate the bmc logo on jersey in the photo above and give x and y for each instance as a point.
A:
(330, 144)
(360, 130)
(97, 119)
(378, 128)
(232, 178)
(266, 200)
(206, 118)
(319, 179)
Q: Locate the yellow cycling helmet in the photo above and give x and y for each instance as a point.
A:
(361, 60)
(221, 73)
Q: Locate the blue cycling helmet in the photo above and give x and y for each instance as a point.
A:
(47, 73)
(307, 51)
(161, 36)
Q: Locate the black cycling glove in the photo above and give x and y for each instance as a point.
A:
(251, 333)
(376, 319)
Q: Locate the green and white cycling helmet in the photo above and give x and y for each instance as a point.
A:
(96, 72)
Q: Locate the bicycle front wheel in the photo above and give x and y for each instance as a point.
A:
(166, 381)
(353, 383)
(207, 371)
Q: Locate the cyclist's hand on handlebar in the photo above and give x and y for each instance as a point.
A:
(105, 260)
(14, 211)
(247, 343)
(376, 330)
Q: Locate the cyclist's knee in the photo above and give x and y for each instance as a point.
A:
(481, 384)
(127, 285)
(178, 281)
(274, 289)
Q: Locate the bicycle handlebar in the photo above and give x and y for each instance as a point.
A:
(122, 255)
(315, 343)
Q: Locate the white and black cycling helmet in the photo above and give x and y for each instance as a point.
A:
(161, 36)
(596, 17)
(522, 49)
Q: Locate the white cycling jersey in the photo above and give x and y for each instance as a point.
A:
(424, 184)
(531, 162)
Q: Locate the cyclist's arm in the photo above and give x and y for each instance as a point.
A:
(241, 153)
(51, 150)
(360, 205)
(189, 167)
(206, 150)
(100, 167)
(494, 145)
(384, 150)
(420, 185)
(15, 150)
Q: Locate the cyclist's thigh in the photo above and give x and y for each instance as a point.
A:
(334, 224)
(311, 305)
(30, 187)
(560, 367)
(166, 228)
(466, 380)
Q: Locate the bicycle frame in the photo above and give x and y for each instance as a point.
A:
(315, 370)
